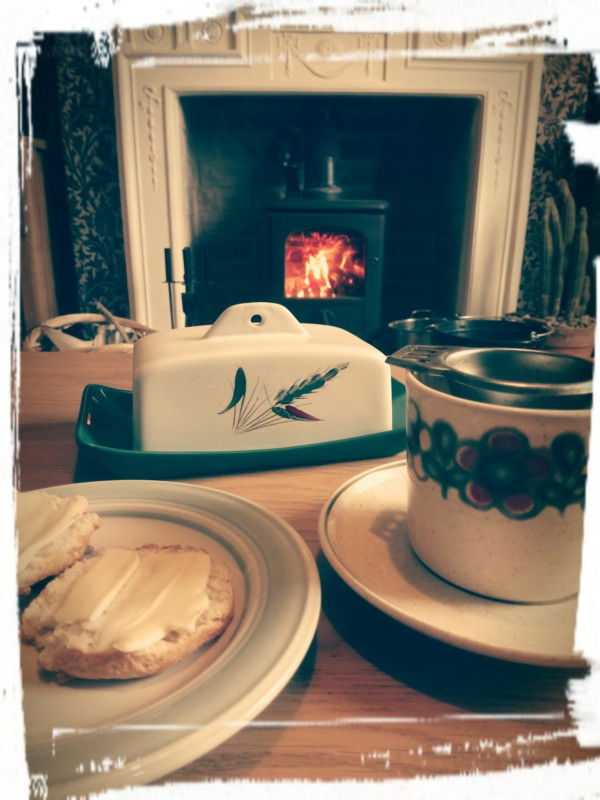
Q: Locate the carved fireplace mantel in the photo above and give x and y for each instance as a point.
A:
(157, 66)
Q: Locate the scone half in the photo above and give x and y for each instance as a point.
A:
(53, 532)
(120, 638)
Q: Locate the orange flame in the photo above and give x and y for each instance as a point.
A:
(323, 265)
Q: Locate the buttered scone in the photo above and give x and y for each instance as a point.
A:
(129, 613)
(52, 533)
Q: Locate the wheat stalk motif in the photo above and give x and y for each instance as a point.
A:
(255, 410)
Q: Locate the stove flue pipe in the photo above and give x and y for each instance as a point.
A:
(321, 157)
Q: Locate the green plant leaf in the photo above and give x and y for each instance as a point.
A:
(281, 412)
(239, 390)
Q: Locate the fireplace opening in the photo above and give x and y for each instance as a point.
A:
(395, 239)
(324, 264)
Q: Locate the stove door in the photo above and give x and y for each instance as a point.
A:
(326, 267)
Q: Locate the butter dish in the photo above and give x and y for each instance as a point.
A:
(256, 379)
(104, 435)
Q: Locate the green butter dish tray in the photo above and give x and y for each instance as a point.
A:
(104, 435)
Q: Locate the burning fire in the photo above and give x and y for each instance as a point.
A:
(323, 265)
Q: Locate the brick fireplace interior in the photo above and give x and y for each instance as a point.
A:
(414, 154)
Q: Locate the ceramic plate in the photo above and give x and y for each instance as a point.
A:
(104, 436)
(362, 529)
(92, 735)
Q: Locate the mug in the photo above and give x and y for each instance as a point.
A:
(496, 493)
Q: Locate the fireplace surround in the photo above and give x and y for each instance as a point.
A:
(160, 69)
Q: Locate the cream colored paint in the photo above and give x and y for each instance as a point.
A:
(159, 64)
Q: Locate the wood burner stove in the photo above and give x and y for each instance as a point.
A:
(324, 252)
(326, 260)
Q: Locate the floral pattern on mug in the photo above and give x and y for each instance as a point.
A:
(500, 469)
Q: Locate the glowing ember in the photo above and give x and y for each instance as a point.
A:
(324, 265)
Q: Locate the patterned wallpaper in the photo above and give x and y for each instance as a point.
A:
(87, 123)
(89, 141)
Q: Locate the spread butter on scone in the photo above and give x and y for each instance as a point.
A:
(129, 613)
(52, 533)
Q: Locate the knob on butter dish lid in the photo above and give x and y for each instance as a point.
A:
(256, 378)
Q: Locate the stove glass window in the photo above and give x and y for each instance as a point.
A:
(324, 264)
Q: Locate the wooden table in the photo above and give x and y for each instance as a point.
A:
(372, 699)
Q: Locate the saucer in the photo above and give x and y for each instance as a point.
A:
(363, 535)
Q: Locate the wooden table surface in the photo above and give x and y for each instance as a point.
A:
(372, 699)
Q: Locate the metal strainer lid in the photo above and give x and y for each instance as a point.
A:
(527, 371)
(517, 372)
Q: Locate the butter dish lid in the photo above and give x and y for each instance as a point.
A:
(266, 327)
(257, 378)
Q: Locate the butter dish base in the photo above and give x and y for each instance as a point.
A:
(104, 436)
